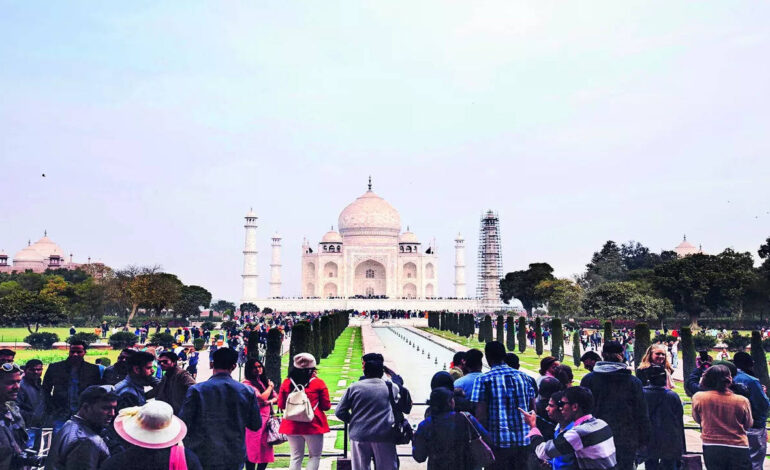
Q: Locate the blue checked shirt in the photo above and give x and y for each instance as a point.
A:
(505, 390)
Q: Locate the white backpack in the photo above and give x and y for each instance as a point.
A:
(298, 406)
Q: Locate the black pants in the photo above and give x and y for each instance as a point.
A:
(510, 458)
(726, 458)
(255, 466)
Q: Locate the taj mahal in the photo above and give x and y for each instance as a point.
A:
(367, 263)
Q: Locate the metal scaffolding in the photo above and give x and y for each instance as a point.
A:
(490, 260)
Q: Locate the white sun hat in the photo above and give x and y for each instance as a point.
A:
(152, 426)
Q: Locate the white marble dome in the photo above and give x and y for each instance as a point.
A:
(47, 248)
(408, 237)
(331, 237)
(27, 254)
(369, 214)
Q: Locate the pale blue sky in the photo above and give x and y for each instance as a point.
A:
(158, 124)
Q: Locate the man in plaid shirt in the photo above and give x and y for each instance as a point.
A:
(498, 395)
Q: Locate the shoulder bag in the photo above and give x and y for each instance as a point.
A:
(402, 430)
(480, 451)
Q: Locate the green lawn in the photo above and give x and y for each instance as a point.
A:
(9, 335)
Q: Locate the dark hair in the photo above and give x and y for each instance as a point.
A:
(556, 396)
(225, 358)
(590, 355)
(33, 363)
(98, 393)
(495, 352)
(473, 359)
(549, 386)
(582, 397)
(140, 359)
(563, 372)
(657, 375)
(7, 352)
(716, 378)
(300, 376)
(743, 361)
(376, 357)
(79, 342)
(611, 351)
(373, 369)
(546, 363)
(439, 400)
(128, 351)
(442, 379)
(458, 357)
(512, 360)
(251, 376)
(169, 354)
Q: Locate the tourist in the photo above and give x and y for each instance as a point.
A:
(7, 355)
(693, 383)
(79, 444)
(564, 374)
(65, 380)
(760, 404)
(473, 365)
(673, 350)
(192, 364)
(13, 435)
(118, 371)
(560, 462)
(664, 450)
(723, 355)
(175, 382)
(547, 366)
(258, 452)
(442, 379)
(725, 419)
(548, 386)
(457, 367)
(217, 413)
(442, 438)
(498, 395)
(131, 390)
(619, 401)
(31, 400)
(589, 359)
(404, 401)
(656, 355)
(153, 436)
(590, 440)
(72, 330)
(304, 375)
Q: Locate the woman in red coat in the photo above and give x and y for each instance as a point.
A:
(304, 374)
(258, 452)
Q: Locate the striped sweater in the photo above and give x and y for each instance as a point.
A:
(590, 441)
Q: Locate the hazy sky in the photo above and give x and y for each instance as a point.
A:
(158, 124)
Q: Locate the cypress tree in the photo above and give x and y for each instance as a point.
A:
(500, 329)
(688, 351)
(326, 337)
(442, 321)
(482, 332)
(607, 331)
(557, 339)
(253, 345)
(538, 337)
(316, 337)
(468, 325)
(522, 333)
(510, 334)
(300, 336)
(760, 362)
(641, 342)
(488, 329)
(576, 348)
(273, 355)
(456, 322)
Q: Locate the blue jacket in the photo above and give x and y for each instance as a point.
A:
(129, 393)
(666, 412)
(443, 441)
(217, 413)
(757, 398)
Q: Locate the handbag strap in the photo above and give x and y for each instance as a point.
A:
(176, 458)
(397, 414)
(475, 432)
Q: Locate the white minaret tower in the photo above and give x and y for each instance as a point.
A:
(460, 267)
(275, 267)
(250, 272)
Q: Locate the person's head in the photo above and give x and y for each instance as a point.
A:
(152, 426)
(576, 402)
(10, 379)
(7, 355)
(441, 400)
(716, 378)
(512, 360)
(303, 368)
(98, 404)
(442, 379)
(744, 362)
(474, 360)
(730, 366)
(563, 373)
(548, 386)
(547, 365)
(589, 359)
(495, 352)
(458, 360)
(553, 410)
(167, 360)
(77, 351)
(125, 354)
(225, 359)
(612, 351)
(657, 376)
(372, 357)
(254, 371)
(140, 364)
(33, 369)
(373, 370)
(656, 355)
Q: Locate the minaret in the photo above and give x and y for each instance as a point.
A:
(250, 272)
(275, 267)
(460, 267)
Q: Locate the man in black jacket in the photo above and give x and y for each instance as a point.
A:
(619, 401)
(65, 380)
(664, 450)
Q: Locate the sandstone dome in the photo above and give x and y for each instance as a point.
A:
(370, 215)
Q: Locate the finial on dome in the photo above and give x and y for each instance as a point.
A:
(29, 242)
(45, 233)
(685, 237)
(407, 228)
(370, 182)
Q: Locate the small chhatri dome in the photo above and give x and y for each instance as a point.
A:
(408, 237)
(251, 214)
(331, 237)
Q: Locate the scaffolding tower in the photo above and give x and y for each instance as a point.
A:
(490, 261)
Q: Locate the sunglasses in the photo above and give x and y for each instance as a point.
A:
(10, 367)
(562, 404)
